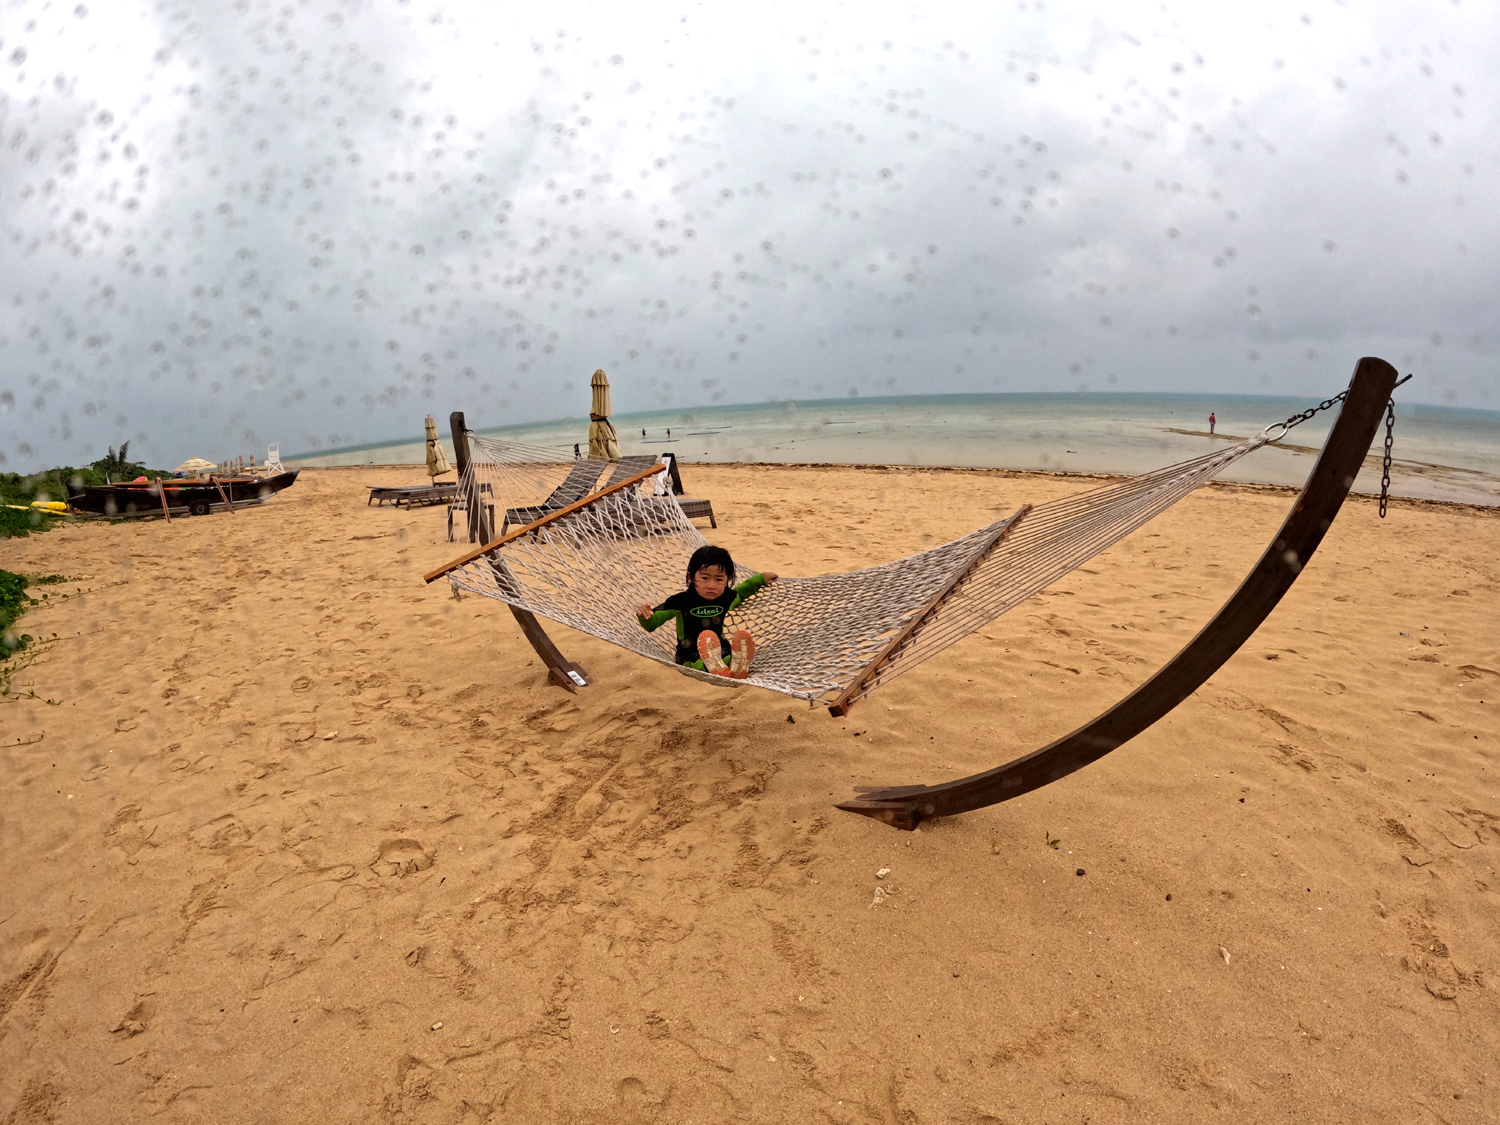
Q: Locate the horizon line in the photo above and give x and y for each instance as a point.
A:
(845, 400)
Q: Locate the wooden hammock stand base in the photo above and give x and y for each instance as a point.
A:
(560, 670)
(905, 806)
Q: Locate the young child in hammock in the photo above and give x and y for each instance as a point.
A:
(699, 614)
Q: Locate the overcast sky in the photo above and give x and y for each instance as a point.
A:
(314, 223)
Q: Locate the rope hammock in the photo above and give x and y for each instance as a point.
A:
(590, 540)
(586, 548)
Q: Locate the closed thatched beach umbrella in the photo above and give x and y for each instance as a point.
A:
(437, 460)
(604, 443)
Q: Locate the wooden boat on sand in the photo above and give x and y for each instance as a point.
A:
(184, 497)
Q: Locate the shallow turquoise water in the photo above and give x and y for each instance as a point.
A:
(1441, 452)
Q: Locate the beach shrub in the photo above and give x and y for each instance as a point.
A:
(14, 601)
(16, 649)
(52, 484)
(14, 524)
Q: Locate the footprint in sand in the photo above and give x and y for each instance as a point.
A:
(137, 1020)
(301, 683)
(402, 857)
(1408, 847)
(1430, 960)
(631, 1093)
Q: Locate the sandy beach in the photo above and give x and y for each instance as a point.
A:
(289, 836)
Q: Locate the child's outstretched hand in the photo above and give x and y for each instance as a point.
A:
(644, 610)
(769, 576)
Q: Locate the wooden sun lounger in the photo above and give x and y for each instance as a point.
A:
(579, 483)
(629, 466)
(696, 509)
(410, 497)
(692, 507)
(460, 504)
(585, 475)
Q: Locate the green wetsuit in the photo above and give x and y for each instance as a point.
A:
(694, 615)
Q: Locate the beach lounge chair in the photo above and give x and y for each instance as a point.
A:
(692, 507)
(461, 504)
(411, 497)
(696, 509)
(580, 481)
(584, 478)
(629, 466)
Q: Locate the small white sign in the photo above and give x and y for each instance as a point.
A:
(577, 679)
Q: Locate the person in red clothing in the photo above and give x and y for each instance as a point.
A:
(1212, 422)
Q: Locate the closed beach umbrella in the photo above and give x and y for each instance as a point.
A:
(437, 460)
(604, 443)
(193, 466)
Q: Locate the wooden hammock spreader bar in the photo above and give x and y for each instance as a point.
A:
(1317, 505)
(550, 517)
(848, 697)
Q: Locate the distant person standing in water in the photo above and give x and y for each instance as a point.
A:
(1212, 422)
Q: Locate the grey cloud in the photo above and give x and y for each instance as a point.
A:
(316, 227)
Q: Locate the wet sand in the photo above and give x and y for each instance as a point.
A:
(1425, 479)
(288, 835)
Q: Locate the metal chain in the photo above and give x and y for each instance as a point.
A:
(1390, 436)
(1298, 419)
(1390, 440)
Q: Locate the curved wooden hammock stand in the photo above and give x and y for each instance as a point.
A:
(904, 806)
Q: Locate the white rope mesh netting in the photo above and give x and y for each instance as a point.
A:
(591, 568)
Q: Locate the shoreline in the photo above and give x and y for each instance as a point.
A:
(1002, 473)
(1440, 454)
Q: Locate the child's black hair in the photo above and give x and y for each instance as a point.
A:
(709, 555)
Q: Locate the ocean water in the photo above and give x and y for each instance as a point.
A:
(1440, 453)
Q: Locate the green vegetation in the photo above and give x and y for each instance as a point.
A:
(13, 602)
(52, 484)
(14, 524)
(12, 599)
(17, 649)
